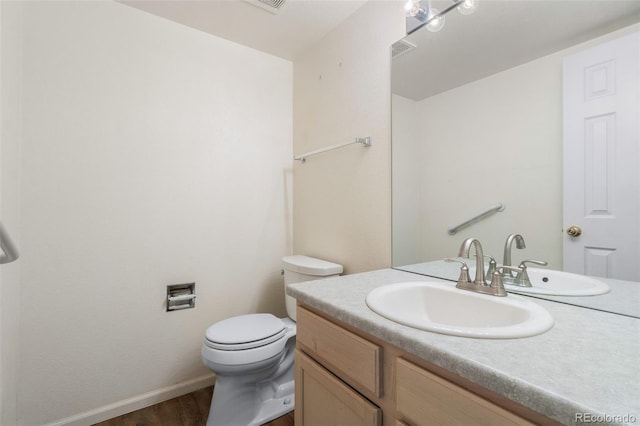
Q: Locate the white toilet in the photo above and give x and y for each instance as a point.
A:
(252, 356)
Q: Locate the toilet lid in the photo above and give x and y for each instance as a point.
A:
(245, 331)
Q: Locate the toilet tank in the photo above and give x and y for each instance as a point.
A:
(303, 268)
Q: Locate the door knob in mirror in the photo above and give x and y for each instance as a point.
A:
(574, 231)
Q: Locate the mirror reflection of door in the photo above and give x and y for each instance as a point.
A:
(601, 160)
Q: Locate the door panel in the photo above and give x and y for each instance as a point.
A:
(601, 159)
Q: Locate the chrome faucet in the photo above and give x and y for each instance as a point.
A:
(506, 272)
(507, 247)
(497, 285)
(464, 282)
(495, 288)
(464, 252)
(522, 279)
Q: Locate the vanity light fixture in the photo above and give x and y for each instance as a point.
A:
(426, 15)
(436, 20)
(414, 8)
(467, 7)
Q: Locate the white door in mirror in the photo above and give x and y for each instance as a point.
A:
(601, 160)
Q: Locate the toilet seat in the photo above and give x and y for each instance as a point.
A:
(246, 345)
(245, 332)
(245, 340)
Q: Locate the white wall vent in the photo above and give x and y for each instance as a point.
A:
(272, 6)
(401, 47)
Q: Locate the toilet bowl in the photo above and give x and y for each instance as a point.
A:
(252, 356)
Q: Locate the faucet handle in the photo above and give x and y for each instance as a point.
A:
(497, 285)
(535, 262)
(522, 279)
(492, 268)
(464, 270)
(510, 268)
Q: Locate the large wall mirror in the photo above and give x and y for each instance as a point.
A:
(477, 119)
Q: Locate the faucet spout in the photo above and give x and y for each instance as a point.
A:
(465, 248)
(507, 247)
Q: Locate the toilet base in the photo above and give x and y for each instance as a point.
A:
(254, 399)
(276, 407)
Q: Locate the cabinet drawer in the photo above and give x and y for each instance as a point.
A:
(348, 355)
(422, 398)
(322, 399)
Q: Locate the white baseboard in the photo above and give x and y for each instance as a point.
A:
(135, 403)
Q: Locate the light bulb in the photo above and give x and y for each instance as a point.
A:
(467, 7)
(412, 7)
(436, 21)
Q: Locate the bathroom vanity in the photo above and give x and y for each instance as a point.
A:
(333, 359)
(355, 367)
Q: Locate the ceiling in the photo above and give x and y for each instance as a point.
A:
(298, 25)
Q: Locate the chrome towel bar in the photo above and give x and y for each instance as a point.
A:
(491, 210)
(366, 142)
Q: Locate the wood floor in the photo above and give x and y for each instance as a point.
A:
(187, 410)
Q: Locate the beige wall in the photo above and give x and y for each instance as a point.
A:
(342, 199)
(121, 112)
(10, 91)
(480, 145)
(407, 186)
(152, 154)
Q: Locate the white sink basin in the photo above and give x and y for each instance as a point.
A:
(558, 283)
(442, 308)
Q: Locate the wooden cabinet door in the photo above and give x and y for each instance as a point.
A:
(352, 358)
(322, 399)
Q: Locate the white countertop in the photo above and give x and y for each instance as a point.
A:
(589, 362)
